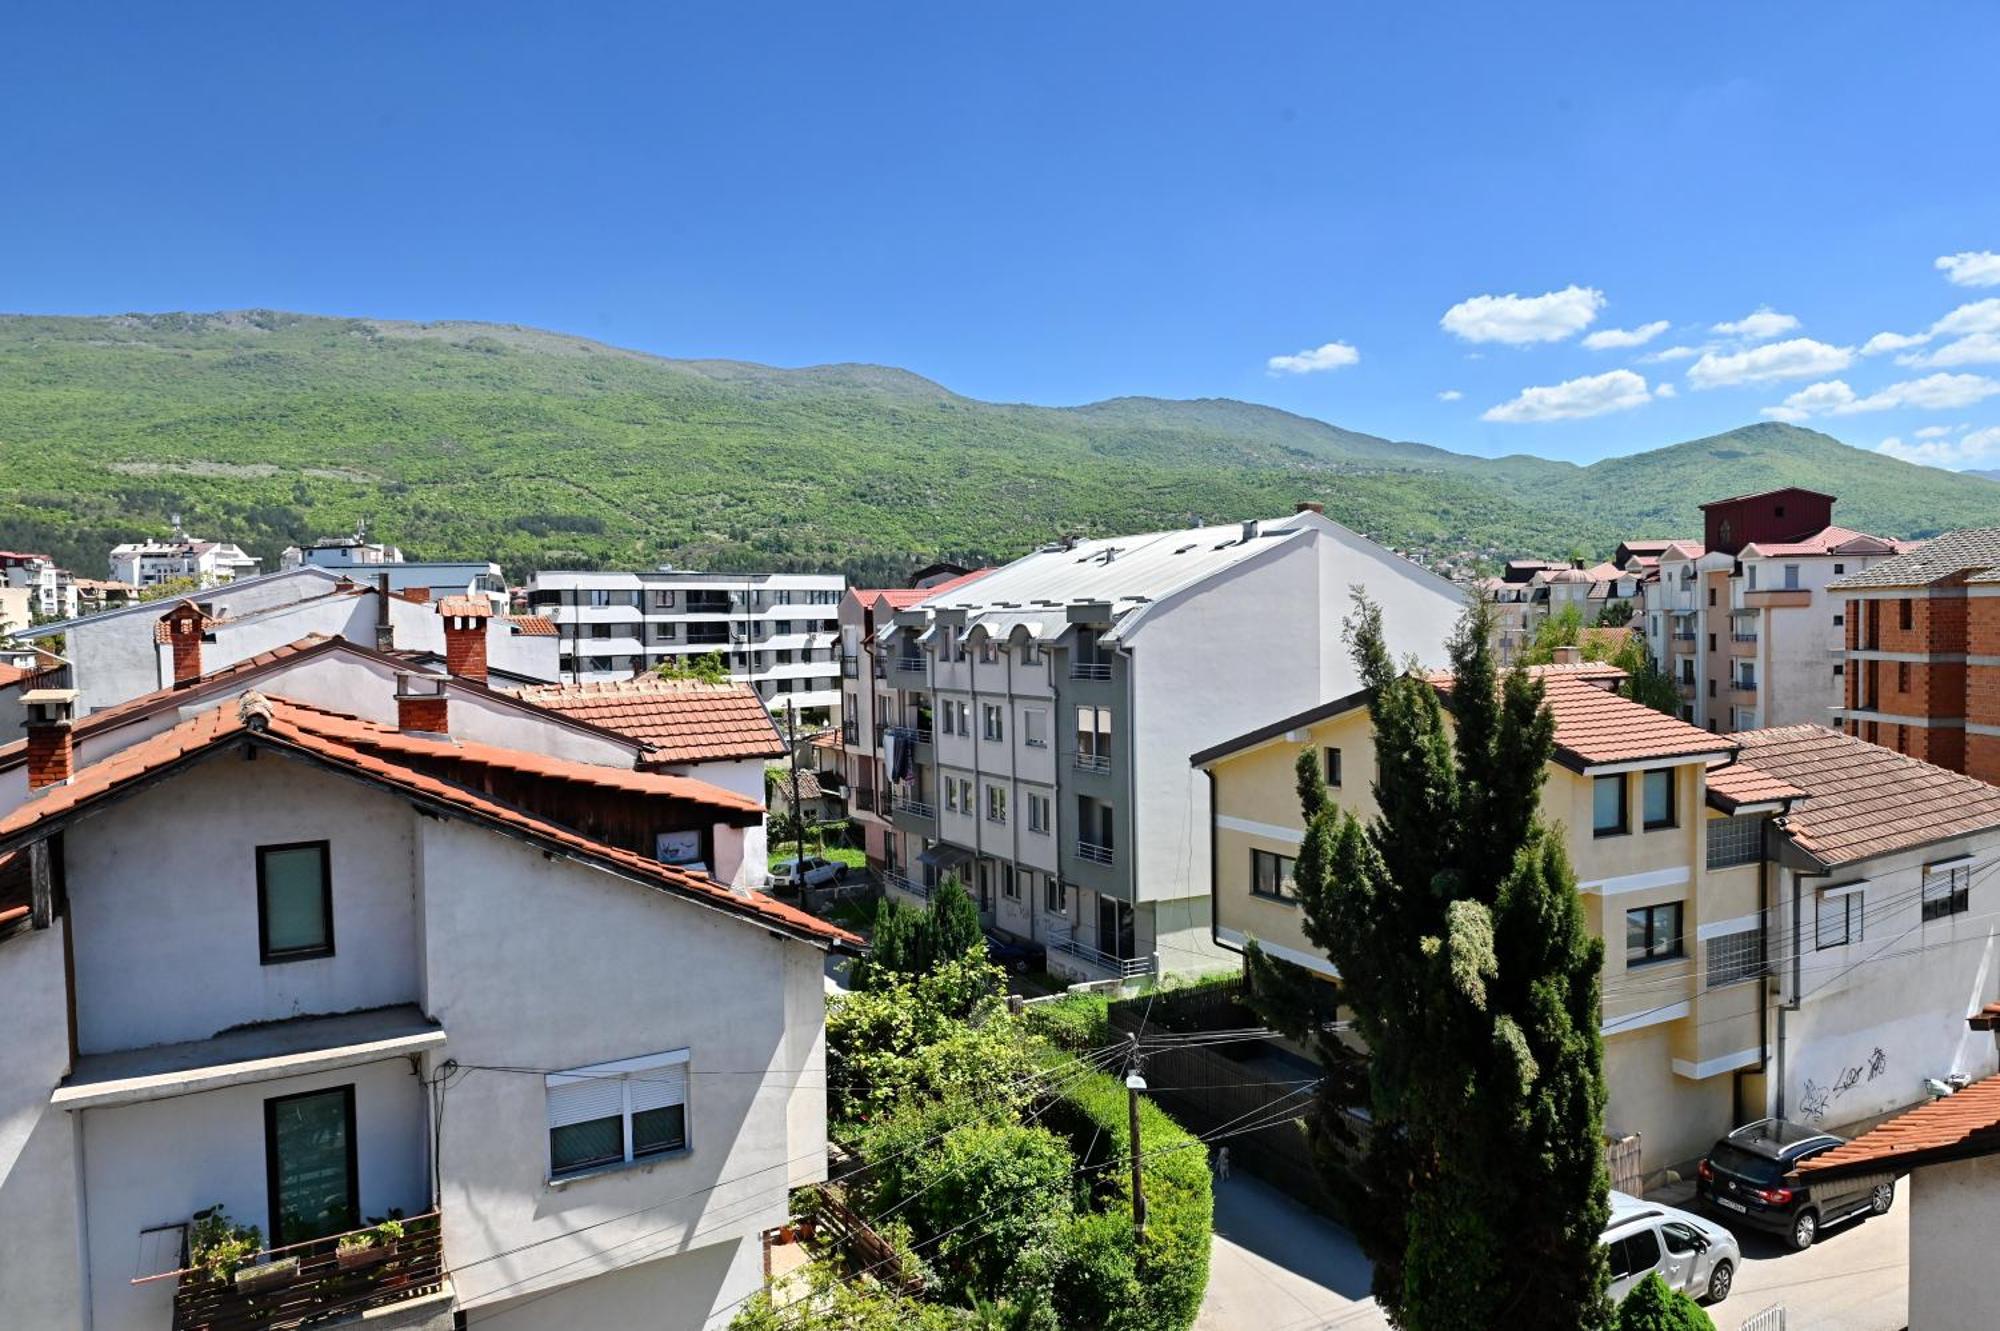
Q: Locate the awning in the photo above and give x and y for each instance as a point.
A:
(945, 857)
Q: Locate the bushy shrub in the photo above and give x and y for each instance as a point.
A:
(1654, 1306)
(1076, 1022)
(944, 1036)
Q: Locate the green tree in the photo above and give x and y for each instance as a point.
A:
(1654, 1306)
(708, 668)
(1645, 683)
(1615, 615)
(951, 925)
(170, 588)
(1473, 985)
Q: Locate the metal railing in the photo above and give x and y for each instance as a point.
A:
(1743, 685)
(1090, 670)
(1063, 940)
(1770, 1319)
(850, 665)
(916, 808)
(308, 1282)
(910, 665)
(1096, 854)
(915, 734)
(1092, 762)
(1743, 637)
(1684, 637)
(902, 882)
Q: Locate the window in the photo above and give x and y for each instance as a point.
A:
(1839, 569)
(1331, 762)
(663, 599)
(1711, 642)
(988, 653)
(1947, 890)
(945, 719)
(600, 630)
(1033, 653)
(294, 902)
(1733, 957)
(1839, 620)
(1711, 596)
(1093, 736)
(950, 795)
(1055, 896)
(1711, 691)
(1035, 728)
(1635, 1255)
(1837, 919)
(991, 714)
(600, 596)
(1753, 579)
(1733, 841)
(617, 1113)
(964, 710)
(1038, 814)
(1902, 676)
(996, 804)
(965, 803)
(309, 1165)
(1009, 888)
(1272, 876)
(1791, 577)
(1658, 798)
(1906, 613)
(1608, 806)
(1653, 933)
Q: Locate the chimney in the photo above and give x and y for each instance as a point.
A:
(1309, 506)
(1249, 530)
(465, 620)
(51, 758)
(181, 629)
(385, 632)
(1568, 656)
(422, 704)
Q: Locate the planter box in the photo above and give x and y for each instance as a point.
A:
(355, 1259)
(250, 1279)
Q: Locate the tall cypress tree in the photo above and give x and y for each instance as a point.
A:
(1471, 988)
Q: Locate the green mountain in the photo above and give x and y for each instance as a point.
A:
(537, 448)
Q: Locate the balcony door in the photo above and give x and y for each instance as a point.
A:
(1115, 934)
(310, 1165)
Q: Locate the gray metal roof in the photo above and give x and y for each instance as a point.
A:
(155, 608)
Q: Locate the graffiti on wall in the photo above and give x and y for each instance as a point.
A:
(1817, 1100)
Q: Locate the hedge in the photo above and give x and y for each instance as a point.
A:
(1076, 1022)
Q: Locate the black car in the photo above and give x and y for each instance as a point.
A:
(1744, 1177)
(1016, 954)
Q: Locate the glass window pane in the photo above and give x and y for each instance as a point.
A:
(597, 1141)
(295, 899)
(1609, 804)
(1635, 935)
(1659, 797)
(656, 1130)
(309, 1148)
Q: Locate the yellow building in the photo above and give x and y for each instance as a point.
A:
(1666, 835)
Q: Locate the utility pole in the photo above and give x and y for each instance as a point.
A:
(1135, 1083)
(798, 813)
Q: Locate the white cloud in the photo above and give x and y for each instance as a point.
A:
(1614, 339)
(1796, 358)
(1971, 268)
(1592, 395)
(1882, 342)
(1979, 447)
(1450, 395)
(1331, 356)
(1672, 353)
(1663, 390)
(1524, 320)
(1972, 349)
(1762, 323)
(1934, 392)
(1980, 316)
(1936, 431)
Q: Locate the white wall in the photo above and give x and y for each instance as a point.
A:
(672, 1294)
(1951, 1242)
(40, 1278)
(541, 963)
(163, 888)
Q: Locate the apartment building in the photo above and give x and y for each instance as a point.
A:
(52, 591)
(368, 561)
(1785, 912)
(1039, 719)
(1742, 620)
(777, 632)
(206, 563)
(1922, 652)
(1531, 591)
(315, 967)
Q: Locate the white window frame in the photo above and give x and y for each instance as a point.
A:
(1035, 728)
(993, 721)
(996, 805)
(627, 1072)
(1041, 813)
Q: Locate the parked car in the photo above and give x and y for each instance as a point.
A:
(1743, 1178)
(812, 870)
(1693, 1255)
(1016, 954)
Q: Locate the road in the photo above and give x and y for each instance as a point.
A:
(1275, 1266)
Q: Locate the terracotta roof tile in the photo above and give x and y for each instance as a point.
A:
(1862, 800)
(1733, 785)
(12, 675)
(1595, 726)
(1826, 541)
(475, 607)
(532, 626)
(313, 731)
(680, 720)
(1960, 1125)
(902, 598)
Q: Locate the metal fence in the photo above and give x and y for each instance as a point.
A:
(1771, 1319)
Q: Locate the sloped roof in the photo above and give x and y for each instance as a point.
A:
(680, 720)
(532, 626)
(322, 736)
(1863, 800)
(1733, 785)
(1943, 558)
(466, 607)
(1956, 1127)
(902, 598)
(1828, 541)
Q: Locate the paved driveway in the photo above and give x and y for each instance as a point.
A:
(1276, 1266)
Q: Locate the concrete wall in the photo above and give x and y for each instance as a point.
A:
(542, 964)
(695, 1291)
(154, 905)
(1951, 1230)
(41, 1280)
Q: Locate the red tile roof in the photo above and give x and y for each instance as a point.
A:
(474, 607)
(1595, 726)
(1733, 785)
(286, 724)
(902, 598)
(532, 626)
(680, 720)
(1862, 800)
(1954, 1128)
(1829, 540)
(12, 675)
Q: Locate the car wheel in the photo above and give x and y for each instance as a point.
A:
(1881, 1198)
(1805, 1228)
(1719, 1281)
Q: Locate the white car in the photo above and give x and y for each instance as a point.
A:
(812, 870)
(1693, 1255)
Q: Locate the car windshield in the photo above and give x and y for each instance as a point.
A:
(1745, 1164)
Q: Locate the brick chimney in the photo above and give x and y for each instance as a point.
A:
(421, 704)
(465, 619)
(1568, 656)
(1309, 506)
(51, 757)
(181, 628)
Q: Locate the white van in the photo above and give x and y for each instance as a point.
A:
(1693, 1255)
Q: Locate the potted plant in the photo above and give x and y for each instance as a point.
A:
(250, 1279)
(218, 1248)
(366, 1247)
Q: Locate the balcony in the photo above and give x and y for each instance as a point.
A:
(1090, 670)
(1062, 939)
(902, 882)
(915, 808)
(1096, 854)
(1091, 762)
(909, 665)
(850, 734)
(862, 798)
(306, 1283)
(850, 666)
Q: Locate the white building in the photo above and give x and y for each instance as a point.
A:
(1040, 719)
(51, 589)
(308, 967)
(207, 563)
(777, 632)
(367, 561)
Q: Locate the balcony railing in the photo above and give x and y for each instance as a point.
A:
(902, 882)
(312, 1281)
(863, 798)
(1062, 939)
(913, 734)
(1090, 670)
(1684, 637)
(1743, 637)
(850, 734)
(910, 665)
(1096, 854)
(916, 808)
(1092, 762)
(1743, 685)
(850, 666)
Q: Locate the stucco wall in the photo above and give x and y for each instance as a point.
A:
(1951, 1240)
(40, 1278)
(192, 842)
(674, 1294)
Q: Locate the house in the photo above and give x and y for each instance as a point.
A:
(317, 968)
(775, 631)
(1743, 620)
(1950, 1149)
(204, 563)
(1041, 718)
(1532, 591)
(1785, 911)
(52, 588)
(98, 594)
(368, 561)
(1922, 652)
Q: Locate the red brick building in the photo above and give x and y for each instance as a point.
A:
(1923, 653)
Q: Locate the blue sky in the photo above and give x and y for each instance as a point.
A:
(1060, 203)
